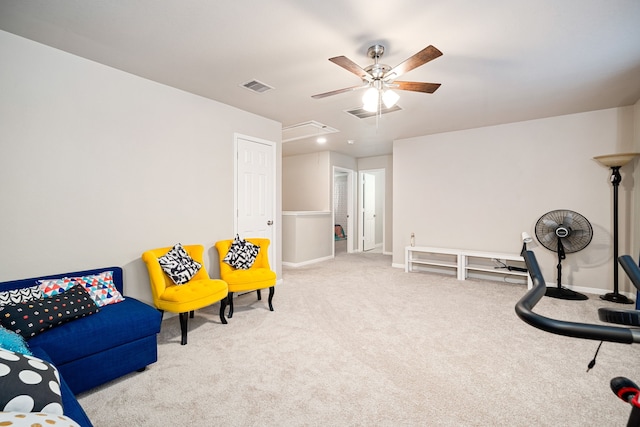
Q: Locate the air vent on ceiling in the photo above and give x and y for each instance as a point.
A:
(256, 86)
(305, 130)
(361, 113)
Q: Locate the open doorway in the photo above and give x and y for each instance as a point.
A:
(372, 203)
(343, 204)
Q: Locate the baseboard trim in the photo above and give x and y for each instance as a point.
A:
(303, 263)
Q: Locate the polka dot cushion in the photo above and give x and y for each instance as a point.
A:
(33, 317)
(35, 419)
(28, 384)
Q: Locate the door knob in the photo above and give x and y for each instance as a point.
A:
(269, 222)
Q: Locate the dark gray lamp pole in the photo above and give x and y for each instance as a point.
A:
(615, 162)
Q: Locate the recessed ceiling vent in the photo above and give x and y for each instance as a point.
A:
(361, 113)
(308, 129)
(256, 86)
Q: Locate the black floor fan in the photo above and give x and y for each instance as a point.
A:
(563, 231)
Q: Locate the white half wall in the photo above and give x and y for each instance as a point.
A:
(306, 182)
(479, 189)
(97, 166)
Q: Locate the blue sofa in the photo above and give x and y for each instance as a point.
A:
(119, 339)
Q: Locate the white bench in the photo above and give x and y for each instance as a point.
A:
(464, 262)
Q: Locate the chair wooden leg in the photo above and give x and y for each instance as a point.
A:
(230, 298)
(271, 292)
(184, 320)
(223, 305)
(259, 294)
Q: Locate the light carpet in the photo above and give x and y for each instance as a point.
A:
(355, 342)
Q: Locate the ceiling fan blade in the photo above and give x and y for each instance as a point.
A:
(416, 86)
(338, 91)
(550, 223)
(351, 66)
(427, 54)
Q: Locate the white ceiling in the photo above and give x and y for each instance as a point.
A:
(504, 60)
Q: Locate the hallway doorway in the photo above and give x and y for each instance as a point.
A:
(371, 224)
(343, 208)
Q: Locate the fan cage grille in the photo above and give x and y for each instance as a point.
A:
(579, 228)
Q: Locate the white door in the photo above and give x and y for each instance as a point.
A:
(369, 211)
(255, 190)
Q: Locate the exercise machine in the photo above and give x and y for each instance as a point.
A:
(622, 387)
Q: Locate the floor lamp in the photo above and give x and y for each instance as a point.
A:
(615, 162)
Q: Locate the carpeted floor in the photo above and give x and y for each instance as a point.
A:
(355, 342)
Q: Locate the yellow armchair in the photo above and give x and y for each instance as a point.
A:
(200, 291)
(258, 276)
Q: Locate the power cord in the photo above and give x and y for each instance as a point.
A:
(593, 361)
(508, 267)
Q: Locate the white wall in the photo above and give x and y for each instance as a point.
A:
(306, 182)
(480, 188)
(304, 237)
(97, 166)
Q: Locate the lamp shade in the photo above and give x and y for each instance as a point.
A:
(615, 160)
(390, 98)
(370, 100)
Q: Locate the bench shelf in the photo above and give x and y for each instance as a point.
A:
(463, 263)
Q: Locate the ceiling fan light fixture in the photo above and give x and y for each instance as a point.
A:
(371, 99)
(390, 98)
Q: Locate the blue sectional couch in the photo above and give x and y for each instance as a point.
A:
(90, 351)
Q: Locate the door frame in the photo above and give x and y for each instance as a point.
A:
(378, 172)
(272, 146)
(350, 207)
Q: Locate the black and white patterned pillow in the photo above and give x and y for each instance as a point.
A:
(242, 254)
(19, 295)
(178, 265)
(29, 318)
(28, 384)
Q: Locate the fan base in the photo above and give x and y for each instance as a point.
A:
(616, 297)
(564, 293)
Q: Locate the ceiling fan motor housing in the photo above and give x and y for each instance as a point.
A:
(375, 51)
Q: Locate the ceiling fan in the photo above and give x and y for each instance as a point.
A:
(381, 78)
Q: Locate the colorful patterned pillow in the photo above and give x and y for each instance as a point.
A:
(101, 288)
(19, 295)
(178, 265)
(33, 317)
(35, 419)
(28, 384)
(242, 254)
(51, 287)
(13, 341)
